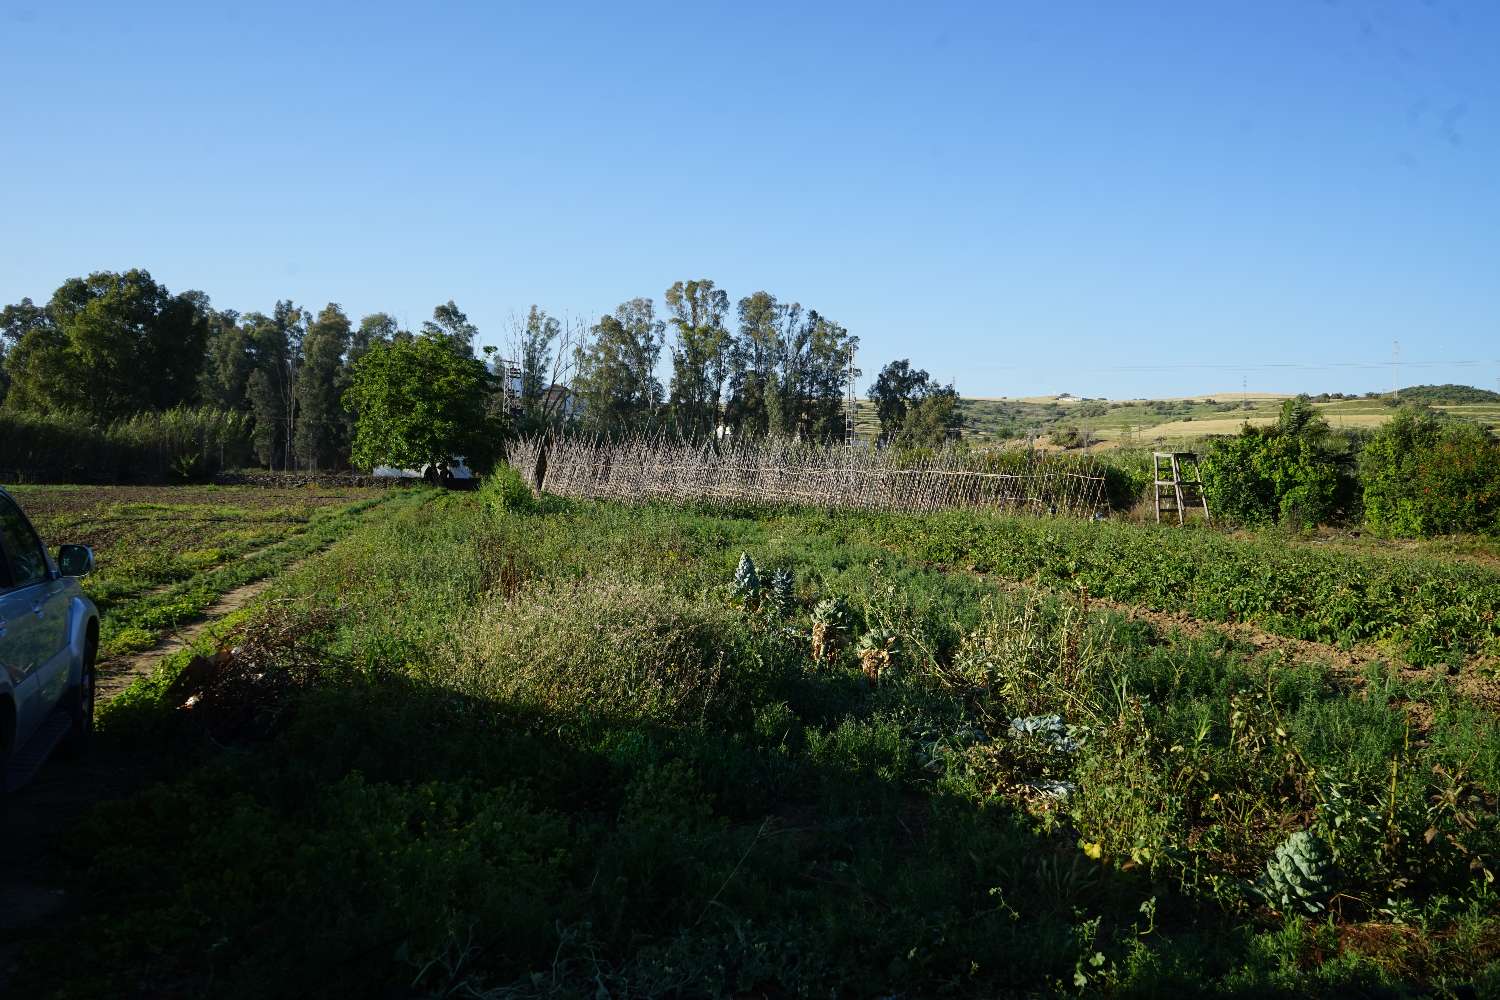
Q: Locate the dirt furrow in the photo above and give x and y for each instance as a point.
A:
(1475, 680)
(118, 673)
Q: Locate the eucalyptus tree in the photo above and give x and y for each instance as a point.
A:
(450, 325)
(615, 379)
(320, 441)
(700, 354)
(276, 341)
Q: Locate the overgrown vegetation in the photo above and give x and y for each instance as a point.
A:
(1420, 474)
(555, 748)
(1286, 473)
(1423, 476)
(177, 445)
(1429, 610)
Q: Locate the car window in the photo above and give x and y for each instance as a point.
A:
(28, 564)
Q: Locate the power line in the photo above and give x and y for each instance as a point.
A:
(1265, 366)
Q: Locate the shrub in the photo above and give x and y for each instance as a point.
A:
(1423, 476)
(1127, 478)
(504, 490)
(1279, 474)
(174, 445)
(610, 647)
(1258, 478)
(1067, 437)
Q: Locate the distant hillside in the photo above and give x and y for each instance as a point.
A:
(1141, 422)
(1451, 394)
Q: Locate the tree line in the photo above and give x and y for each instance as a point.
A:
(110, 346)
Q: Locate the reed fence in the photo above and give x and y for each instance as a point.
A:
(770, 471)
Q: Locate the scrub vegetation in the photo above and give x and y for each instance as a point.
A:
(490, 745)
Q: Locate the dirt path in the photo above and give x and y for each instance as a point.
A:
(118, 673)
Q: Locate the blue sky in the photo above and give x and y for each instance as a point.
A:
(1123, 199)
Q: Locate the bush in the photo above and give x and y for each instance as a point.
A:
(1282, 474)
(503, 490)
(1067, 437)
(607, 647)
(1259, 478)
(176, 445)
(1423, 476)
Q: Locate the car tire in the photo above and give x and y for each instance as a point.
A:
(83, 698)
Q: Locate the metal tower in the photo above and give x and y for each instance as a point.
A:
(851, 402)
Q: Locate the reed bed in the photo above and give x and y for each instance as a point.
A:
(778, 471)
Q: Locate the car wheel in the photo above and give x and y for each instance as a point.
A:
(83, 705)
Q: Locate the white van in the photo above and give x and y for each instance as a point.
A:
(441, 473)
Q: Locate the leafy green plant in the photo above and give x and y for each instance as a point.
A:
(1281, 474)
(831, 625)
(504, 490)
(783, 590)
(879, 651)
(1430, 609)
(1300, 875)
(746, 580)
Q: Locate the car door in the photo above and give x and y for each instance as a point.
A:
(35, 631)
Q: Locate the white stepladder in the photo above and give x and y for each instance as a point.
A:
(1179, 493)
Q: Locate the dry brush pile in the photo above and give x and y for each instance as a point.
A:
(780, 471)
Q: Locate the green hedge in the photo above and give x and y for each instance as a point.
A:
(175, 445)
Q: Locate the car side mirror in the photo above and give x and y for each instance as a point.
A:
(75, 560)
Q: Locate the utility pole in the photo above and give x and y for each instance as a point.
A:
(1396, 369)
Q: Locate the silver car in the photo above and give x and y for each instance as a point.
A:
(49, 635)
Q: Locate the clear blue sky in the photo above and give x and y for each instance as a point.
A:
(1109, 198)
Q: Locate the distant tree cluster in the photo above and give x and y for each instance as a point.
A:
(109, 347)
(316, 390)
(779, 370)
(914, 409)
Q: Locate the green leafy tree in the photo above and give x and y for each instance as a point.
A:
(931, 420)
(535, 344)
(111, 345)
(755, 357)
(16, 321)
(420, 403)
(319, 441)
(897, 389)
(814, 374)
(228, 363)
(1423, 475)
(376, 328)
(276, 342)
(700, 354)
(616, 381)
